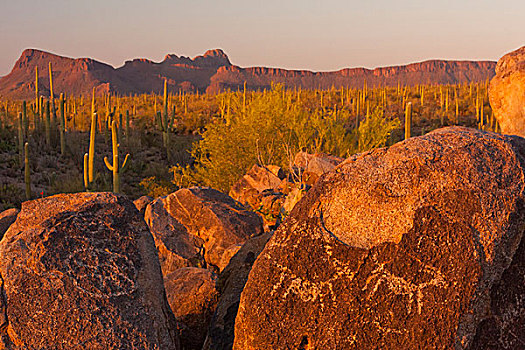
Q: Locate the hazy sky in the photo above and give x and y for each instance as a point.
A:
(298, 34)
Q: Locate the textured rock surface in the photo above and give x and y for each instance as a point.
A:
(81, 271)
(192, 296)
(415, 246)
(252, 184)
(197, 227)
(176, 247)
(142, 203)
(230, 285)
(507, 93)
(7, 217)
(315, 165)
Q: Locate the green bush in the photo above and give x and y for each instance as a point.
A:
(270, 128)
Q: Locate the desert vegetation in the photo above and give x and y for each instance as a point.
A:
(58, 144)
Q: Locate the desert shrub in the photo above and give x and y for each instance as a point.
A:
(269, 129)
(375, 131)
(155, 188)
(10, 196)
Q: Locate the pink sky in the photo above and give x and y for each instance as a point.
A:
(315, 35)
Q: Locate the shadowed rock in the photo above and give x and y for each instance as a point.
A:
(230, 285)
(192, 296)
(507, 93)
(7, 217)
(81, 271)
(415, 246)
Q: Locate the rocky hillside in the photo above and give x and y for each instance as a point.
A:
(213, 72)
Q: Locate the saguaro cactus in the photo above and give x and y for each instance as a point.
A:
(41, 110)
(86, 172)
(62, 123)
(27, 171)
(408, 121)
(89, 166)
(164, 121)
(51, 94)
(127, 127)
(47, 125)
(52, 98)
(165, 117)
(36, 90)
(115, 167)
(457, 106)
(20, 140)
(25, 119)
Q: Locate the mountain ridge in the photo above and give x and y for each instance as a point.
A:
(213, 72)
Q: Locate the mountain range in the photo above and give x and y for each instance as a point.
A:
(212, 73)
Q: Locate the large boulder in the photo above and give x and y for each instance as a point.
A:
(7, 218)
(81, 271)
(199, 227)
(419, 245)
(192, 296)
(230, 285)
(507, 93)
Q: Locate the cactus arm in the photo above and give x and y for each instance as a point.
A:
(106, 161)
(92, 146)
(62, 125)
(36, 87)
(86, 176)
(408, 121)
(125, 161)
(51, 94)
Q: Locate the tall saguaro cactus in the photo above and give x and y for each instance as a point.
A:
(47, 125)
(20, 139)
(408, 121)
(89, 169)
(115, 167)
(164, 121)
(127, 127)
(52, 98)
(25, 119)
(27, 171)
(86, 172)
(62, 125)
(51, 94)
(36, 92)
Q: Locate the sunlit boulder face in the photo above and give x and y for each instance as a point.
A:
(199, 227)
(507, 93)
(80, 271)
(416, 246)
